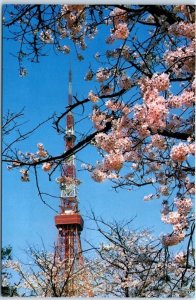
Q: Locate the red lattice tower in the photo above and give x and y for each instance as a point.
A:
(69, 221)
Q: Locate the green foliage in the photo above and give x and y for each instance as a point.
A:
(8, 290)
(6, 253)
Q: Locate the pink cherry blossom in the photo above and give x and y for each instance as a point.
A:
(42, 153)
(190, 186)
(148, 197)
(187, 98)
(164, 189)
(180, 258)
(125, 82)
(25, 175)
(179, 152)
(122, 31)
(46, 36)
(186, 29)
(105, 142)
(183, 205)
(191, 148)
(171, 218)
(98, 175)
(116, 105)
(98, 119)
(46, 166)
(159, 82)
(102, 74)
(183, 55)
(172, 240)
(118, 15)
(93, 97)
(113, 161)
(158, 141)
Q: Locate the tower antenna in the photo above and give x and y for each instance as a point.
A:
(70, 86)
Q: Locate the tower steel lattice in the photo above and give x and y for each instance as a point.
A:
(69, 221)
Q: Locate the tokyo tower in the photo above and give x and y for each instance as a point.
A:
(69, 222)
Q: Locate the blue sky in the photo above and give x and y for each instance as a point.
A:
(25, 219)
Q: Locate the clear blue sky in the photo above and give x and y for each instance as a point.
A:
(25, 219)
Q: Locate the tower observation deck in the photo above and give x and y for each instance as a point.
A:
(69, 222)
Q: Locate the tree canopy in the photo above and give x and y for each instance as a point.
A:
(143, 92)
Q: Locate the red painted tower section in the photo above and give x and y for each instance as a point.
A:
(69, 221)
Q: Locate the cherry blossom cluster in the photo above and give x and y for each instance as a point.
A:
(173, 218)
(11, 264)
(158, 141)
(105, 141)
(46, 166)
(179, 152)
(185, 29)
(125, 52)
(148, 197)
(93, 97)
(89, 75)
(118, 16)
(110, 40)
(172, 239)
(46, 36)
(183, 205)
(66, 9)
(164, 189)
(41, 151)
(190, 186)
(112, 142)
(180, 258)
(154, 114)
(116, 144)
(154, 110)
(74, 16)
(102, 74)
(125, 82)
(99, 119)
(118, 106)
(182, 59)
(119, 19)
(64, 49)
(159, 82)
(106, 89)
(182, 56)
(30, 158)
(122, 31)
(98, 175)
(25, 175)
(71, 24)
(178, 219)
(114, 161)
(148, 118)
(187, 98)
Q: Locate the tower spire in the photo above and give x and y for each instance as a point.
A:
(70, 87)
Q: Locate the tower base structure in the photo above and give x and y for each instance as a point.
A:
(68, 240)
